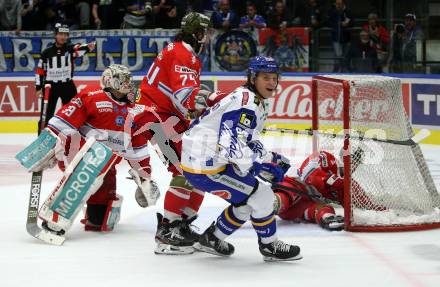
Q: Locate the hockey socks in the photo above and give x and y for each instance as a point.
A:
(266, 228)
(176, 198)
(193, 204)
(227, 223)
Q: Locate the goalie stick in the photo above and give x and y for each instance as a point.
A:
(34, 198)
(311, 192)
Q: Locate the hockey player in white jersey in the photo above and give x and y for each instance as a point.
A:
(222, 154)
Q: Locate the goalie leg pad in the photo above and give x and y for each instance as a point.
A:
(103, 217)
(83, 177)
(40, 154)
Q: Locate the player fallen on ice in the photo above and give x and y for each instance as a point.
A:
(171, 89)
(303, 198)
(222, 154)
(320, 185)
(105, 115)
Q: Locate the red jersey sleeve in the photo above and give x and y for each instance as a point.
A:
(71, 116)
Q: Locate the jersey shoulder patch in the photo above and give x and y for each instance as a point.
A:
(246, 119)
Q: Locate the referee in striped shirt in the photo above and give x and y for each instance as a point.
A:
(56, 66)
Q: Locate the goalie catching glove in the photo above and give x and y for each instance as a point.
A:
(147, 192)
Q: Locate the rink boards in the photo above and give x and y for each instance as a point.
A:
(291, 108)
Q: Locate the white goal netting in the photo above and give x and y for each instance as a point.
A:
(390, 184)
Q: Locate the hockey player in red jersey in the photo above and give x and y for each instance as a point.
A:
(318, 176)
(171, 89)
(105, 114)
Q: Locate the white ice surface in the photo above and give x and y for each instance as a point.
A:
(125, 257)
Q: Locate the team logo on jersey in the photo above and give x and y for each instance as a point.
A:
(185, 70)
(222, 193)
(119, 121)
(104, 104)
(233, 49)
(246, 120)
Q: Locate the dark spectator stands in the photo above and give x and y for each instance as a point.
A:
(395, 29)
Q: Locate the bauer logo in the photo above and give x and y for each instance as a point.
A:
(425, 100)
(81, 181)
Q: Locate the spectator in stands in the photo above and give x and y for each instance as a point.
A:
(362, 56)
(83, 13)
(379, 36)
(106, 14)
(309, 13)
(252, 21)
(224, 18)
(186, 6)
(165, 12)
(413, 33)
(32, 16)
(66, 13)
(10, 15)
(263, 7)
(279, 18)
(340, 21)
(137, 15)
(396, 55)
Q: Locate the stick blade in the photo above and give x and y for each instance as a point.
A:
(44, 235)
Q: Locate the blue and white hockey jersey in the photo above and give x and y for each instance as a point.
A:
(227, 133)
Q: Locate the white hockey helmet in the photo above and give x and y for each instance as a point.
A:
(117, 77)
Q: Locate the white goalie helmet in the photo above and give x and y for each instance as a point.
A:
(117, 77)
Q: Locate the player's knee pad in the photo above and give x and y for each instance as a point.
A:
(103, 217)
(82, 178)
(262, 201)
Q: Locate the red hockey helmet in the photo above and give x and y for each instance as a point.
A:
(328, 162)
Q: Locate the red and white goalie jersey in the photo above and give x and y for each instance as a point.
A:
(321, 171)
(94, 113)
(173, 80)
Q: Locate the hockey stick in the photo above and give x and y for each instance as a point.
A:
(311, 193)
(34, 198)
(422, 134)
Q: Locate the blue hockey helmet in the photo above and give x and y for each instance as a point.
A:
(262, 64)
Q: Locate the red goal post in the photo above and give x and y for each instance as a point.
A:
(388, 186)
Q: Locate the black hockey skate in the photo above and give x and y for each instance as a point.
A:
(187, 231)
(209, 243)
(279, 251)
(170, 239)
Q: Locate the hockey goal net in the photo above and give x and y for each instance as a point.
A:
(387, 184)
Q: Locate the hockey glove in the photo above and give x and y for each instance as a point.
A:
(147, 192)
(281, 160)
(269, 172)
(332, 223)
